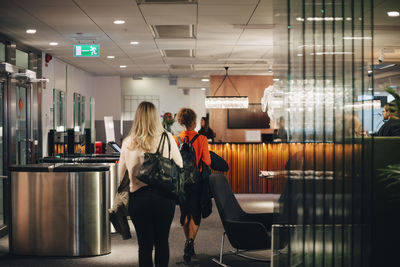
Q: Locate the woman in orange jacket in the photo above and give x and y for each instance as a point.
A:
(191, 209)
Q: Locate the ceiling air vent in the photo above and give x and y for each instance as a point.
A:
(173, 31)
(177, 52)
(165, 1)
(181, 67)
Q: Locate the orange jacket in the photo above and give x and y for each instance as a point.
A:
(200, 146)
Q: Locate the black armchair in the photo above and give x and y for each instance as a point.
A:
(245, 231)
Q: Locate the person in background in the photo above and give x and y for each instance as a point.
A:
(392, 126)
(206, 130)
(191, 209)
(280, 134)
(151, 210)
(354, 126)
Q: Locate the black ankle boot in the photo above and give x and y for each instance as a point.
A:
(188, 251)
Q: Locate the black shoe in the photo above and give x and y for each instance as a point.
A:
(188, 251)
(191, 247)
(186, 258)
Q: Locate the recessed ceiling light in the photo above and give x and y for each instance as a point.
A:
(53, 43)
(31, 31)
(110, 56)
(205, 80)
(203, 89)
(357, 38)
(134, 42)
(393, 13)
(122, 66)
(119, 21)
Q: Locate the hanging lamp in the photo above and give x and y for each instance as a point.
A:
(225, 102)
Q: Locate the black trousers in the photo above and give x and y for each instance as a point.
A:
(151, 213)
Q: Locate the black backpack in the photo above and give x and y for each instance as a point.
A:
(191, 171)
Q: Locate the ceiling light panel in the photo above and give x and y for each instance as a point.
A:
(173, 31)
(181, 67)
(119, 21)
(165, 1)
(188, 43)
(178, 52)
(393, 13)
(170, 14)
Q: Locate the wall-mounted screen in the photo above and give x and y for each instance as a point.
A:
(250, 118)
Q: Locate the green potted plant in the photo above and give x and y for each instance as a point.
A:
(394, 106)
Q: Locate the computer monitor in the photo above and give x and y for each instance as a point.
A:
(115, 146)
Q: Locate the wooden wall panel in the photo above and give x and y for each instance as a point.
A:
(248, 85)
(247, 160)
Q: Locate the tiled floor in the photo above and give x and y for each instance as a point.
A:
(124, 253)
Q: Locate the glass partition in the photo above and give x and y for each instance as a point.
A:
(59, 110)
(82, 113)
(2, 52)
(21, 59)
(79, 113)
(326, 48)
(92, 119)
(2, 181)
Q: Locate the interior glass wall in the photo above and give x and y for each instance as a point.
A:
(21, 126)
(2, 52)
(2, 182)
(21, 59)
(324, 213)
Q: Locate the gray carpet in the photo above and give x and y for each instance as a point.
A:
(124, 252)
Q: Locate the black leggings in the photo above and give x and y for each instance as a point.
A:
(151, 213)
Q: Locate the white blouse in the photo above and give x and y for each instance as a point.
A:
(132, 160)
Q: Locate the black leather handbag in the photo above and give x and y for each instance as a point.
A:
(160, 172)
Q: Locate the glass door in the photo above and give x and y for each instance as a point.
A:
(2, 177)
(22, 141)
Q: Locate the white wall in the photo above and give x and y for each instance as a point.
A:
(171, 99)
(105, 90)
(81, 82)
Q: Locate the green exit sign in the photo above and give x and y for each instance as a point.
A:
(86, 50)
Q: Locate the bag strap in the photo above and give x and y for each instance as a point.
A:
(169, 144)
(179, 140)
(194, 139)
(162, 143)
(187, 139)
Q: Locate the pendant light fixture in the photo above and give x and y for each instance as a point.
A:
(225, 102)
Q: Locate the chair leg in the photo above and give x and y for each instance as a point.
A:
(240, 254)
(221, 253)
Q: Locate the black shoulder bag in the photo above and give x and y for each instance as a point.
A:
(161, 172)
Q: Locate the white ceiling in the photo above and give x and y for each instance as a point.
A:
(219, 35)
(238, 33)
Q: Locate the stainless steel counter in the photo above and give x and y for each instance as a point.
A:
(60, 213)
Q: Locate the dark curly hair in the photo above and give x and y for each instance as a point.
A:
(186, 117)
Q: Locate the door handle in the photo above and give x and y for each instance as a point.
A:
(3, 177)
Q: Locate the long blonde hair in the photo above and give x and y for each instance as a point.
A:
(145, 127)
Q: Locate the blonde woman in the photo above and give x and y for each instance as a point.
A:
(151, 210)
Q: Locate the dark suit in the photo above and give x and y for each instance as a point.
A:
(390, 128)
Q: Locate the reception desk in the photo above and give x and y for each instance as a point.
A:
(246, 160)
